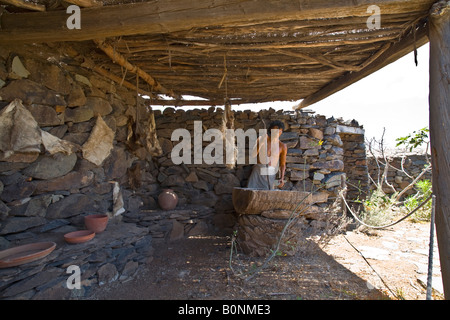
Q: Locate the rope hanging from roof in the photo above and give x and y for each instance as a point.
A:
(228, 124)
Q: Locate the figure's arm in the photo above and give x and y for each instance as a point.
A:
(257, 147)
(283, 155)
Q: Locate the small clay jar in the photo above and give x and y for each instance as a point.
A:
(167, 199)
(96, 222)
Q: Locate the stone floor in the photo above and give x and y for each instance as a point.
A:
(398, 255)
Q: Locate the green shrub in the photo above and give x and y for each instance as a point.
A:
(379, 208)
(424, 190)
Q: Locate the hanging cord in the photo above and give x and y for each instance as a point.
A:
(430, 255)
(379, 276)
(430, 252)
(225, 75)
(390, 224)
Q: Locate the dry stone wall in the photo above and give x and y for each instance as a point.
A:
(321, 152)
(402, 170)
(74, 143)
(63, 149)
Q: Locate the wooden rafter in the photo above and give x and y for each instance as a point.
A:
(25, 4)
(122, 61)
(320, 59)
(91, 65)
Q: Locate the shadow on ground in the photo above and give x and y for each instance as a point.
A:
(199, 268)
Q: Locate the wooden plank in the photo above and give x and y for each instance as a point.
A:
(393, 53)
(252, 201)
(440, 130)
(165, 16)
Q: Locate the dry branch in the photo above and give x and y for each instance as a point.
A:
(91, 65)
(120, 59)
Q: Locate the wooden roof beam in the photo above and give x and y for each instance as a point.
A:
(122, 61)
(319, 59)
(25, 5)
(91, 65)
(389, 54)
(439, 132)
(165, 17)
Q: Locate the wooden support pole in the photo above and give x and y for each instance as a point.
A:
(122, 61)
(439, 99)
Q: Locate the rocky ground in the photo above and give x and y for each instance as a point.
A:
(198, 268)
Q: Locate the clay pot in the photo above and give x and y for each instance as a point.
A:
(167, 199)
(96, 222)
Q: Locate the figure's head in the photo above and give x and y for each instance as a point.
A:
(276, 124)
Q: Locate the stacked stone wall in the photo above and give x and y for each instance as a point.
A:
(316, 159)
(63, 150)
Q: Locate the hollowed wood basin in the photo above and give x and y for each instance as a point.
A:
(255, 201)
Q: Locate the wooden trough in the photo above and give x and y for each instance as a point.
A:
(256, 201)
(262, 217)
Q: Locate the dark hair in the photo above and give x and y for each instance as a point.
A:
(275, 123)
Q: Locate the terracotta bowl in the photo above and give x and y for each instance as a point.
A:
(25, 253)
(79, 236)
(96, 222)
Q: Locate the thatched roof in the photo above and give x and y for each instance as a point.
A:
(246, 50)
